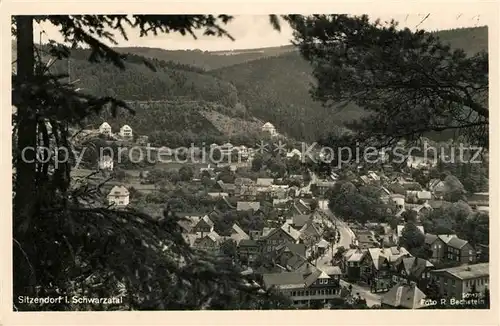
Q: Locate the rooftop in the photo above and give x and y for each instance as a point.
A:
(466, 272)
(405, 296)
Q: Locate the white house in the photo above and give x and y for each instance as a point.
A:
(398, 200)
(226, 149)
(119, 196)
(105, 129)
(126, 131)
(106, 163)
(269, 128)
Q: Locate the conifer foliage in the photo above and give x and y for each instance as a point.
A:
(410, 83)
(65, 242)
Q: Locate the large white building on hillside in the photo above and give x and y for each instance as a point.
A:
(269, 128)
(119, 196)
(126, 132)
(105, 129)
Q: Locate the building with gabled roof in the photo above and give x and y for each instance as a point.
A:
(209, 242)
(119, 196)
(269, 128)
(457, 282)
(126, 132)
(247, 206)
(105, 129)
(305, 287)
(406, 296)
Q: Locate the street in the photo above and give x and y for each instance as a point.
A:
(346, 238)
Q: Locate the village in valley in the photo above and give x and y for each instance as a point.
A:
(335, 161)
(273, 216)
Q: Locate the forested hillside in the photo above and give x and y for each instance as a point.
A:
(186, 103)
(277, 88)
(207, 60)
(265, 84)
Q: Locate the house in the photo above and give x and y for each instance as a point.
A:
(290, 255)
(457, 282)
(399, 232)
(126, 132)
(304, 288)
(210, 242)
(265, 182)
(279, 193)
(269, 128)
(248, 250)
(437, 187)
(378, 265)
(460, 251)
(404, 296)
(351, 264)
(311, 233)
(415, 196)
(105, 129)
(119, 196)
(332, 271)
(299, 220)
(437, 245)
(277, 236)
(373, 175)
(324, 186)
(237, 234)
(412, 270)
(248, 206)
(106, 163)
(242, 151)
(200, 225)
(398, 200)
(239, 182)
(208, 172)
(248, 193)
(225, 149)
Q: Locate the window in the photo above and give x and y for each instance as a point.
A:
(470, 252)
(439, 246)
(470, 259)
(453, 282)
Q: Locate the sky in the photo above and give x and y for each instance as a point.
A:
(255, 31)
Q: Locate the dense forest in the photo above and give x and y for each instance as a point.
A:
(268, 84)
(207, 60)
